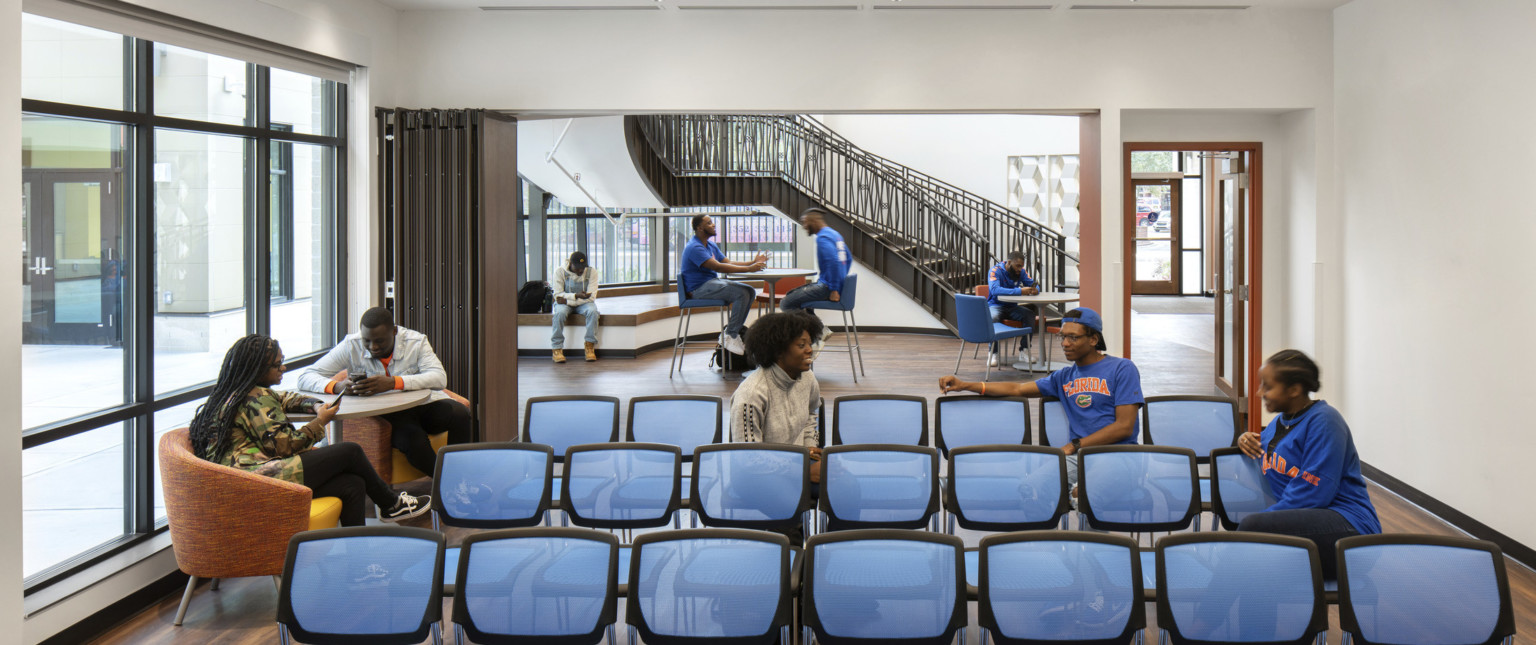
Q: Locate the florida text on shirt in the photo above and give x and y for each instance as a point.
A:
(1273, 461)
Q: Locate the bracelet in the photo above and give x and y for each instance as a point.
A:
(983, 388)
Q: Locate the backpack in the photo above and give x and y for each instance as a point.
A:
(729, 361)
(535, 298)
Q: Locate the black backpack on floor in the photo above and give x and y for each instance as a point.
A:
(535, 298)
(729, 361)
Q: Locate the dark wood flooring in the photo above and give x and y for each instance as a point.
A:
(241, 611)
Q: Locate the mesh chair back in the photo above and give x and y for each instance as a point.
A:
(751, 485)
(1239, 588)
(973, 321)
(685, 421)
(880, 418)
(961, 421)
(621, 485)
(564, 421)
(1238, 487)
(1200, 423)
(879, 486)
(884, 586)
(1412, 589)
(1060, 586)
(542, 585)
(1007, 487)
(493, 485)
(723, 585)
(1054, 431)
(1138, 488)
(370, 584)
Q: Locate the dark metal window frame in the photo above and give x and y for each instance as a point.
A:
(137, 416)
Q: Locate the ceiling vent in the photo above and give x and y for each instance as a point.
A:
(972, 7)
(770, 7)
(630, 7)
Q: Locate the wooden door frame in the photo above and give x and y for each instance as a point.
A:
(1175, 237)
(1254, 252)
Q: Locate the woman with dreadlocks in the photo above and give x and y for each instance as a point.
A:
(244, 424)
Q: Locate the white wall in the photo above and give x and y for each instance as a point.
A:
(1435, 141)
(968, 150)
(10, 326)
(357, 31)
(836, 62)
(594, 149)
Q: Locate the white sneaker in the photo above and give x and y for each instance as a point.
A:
(992, 359)
(734, 345)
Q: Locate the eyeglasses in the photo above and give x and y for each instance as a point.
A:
(1071, 338)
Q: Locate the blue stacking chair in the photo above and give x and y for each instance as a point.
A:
(845, 304)
(880, 418)
(883, 586)
(362, 584)
(751, 486)
(683, 420)
(1137, 488)
(1054, 431)
(564, 421)
(1421, 589)
(980, 420)
(622, 485)
(1051, 587)
(973, 322)
(879, 486)
(726, 586)
(490, 486)
(1240, 587)
(537, 585)
(1006, 488)
(1238, 487)
(685, 306)
(1200, 423)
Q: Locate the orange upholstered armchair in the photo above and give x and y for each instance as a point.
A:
(230, 523)
(374, 434)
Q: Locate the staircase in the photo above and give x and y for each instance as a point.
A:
(928, 238)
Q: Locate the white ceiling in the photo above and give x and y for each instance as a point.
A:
(859, 5)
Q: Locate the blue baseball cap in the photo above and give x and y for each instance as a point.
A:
(1085, 317)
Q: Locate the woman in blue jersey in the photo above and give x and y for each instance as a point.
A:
(1101, 394)
(1309, 461)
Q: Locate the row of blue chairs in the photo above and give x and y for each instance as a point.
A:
(1200, 423)
(383, 584)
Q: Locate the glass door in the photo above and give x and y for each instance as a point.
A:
(1232, 297)
(1156, 250)
(72, 263)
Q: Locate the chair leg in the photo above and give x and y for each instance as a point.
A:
(988, 377)
(851, 345)
(677, 343)
(460, 638)
(214, 586)
(186, 597)
(857, 346)
(284, 639)
(961, 356)
(437, 634)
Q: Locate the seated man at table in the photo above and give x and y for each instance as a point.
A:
(702, 263)
(383, 357)
(831, 260)
(1009, 279)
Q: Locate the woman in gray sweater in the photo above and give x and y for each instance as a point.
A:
(778, 402)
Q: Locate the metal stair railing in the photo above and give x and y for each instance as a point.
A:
(950, 236)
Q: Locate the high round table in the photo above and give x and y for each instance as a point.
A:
(772, 277)
(1040, 301)
(359, 407)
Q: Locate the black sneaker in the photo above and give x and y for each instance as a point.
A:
(407, 507)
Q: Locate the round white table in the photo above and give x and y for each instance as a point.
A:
(772, 277)
(359, 407)
(1040, 301)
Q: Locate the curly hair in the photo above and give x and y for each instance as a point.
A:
(772, 335)
(1292, 367)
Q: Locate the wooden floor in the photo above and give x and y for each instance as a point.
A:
(241, 611)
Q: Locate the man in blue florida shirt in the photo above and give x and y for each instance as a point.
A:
(702, 263)
(831, 259)
(1009, 279)
(1100, 394)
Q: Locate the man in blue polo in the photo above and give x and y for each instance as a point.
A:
(702, 265)
(831, 259)
(1009, 279)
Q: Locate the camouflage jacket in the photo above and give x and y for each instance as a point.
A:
(264, 442)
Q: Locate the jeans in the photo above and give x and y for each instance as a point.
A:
(803, 295)
(409, 430)
(342, 471)
(738, 294)
(1323, 526)
(1005, 311)
(557, 322)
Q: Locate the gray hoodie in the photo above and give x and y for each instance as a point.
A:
(770, 407)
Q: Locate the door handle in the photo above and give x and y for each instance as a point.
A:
(40, 265)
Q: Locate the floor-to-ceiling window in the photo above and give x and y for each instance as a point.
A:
(173, 201)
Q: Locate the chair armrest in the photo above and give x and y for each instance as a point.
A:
(230, 523)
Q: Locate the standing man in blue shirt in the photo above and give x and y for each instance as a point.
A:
(1009, 279)
(702, 263)
(831, 258)
(1100, 394)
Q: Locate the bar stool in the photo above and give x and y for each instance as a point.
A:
(845, 305)
(685, 306)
